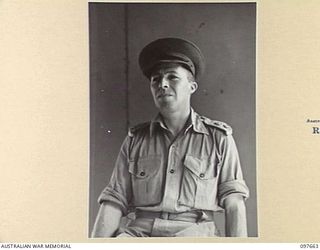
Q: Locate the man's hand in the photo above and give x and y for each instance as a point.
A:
(235, 213)
(107, 221)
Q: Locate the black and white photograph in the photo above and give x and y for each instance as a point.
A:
(172, 120)
(194, 123)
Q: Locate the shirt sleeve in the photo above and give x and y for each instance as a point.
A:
(119, 189)
(231, 180)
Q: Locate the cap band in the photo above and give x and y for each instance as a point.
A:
(173, 58)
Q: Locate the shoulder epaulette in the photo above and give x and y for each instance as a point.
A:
(134, 129)
(217, 124)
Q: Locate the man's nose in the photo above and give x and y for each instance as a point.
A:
(164, 83)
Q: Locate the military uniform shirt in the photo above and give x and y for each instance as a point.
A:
(196, 170)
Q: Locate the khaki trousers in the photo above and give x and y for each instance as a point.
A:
(147, 227)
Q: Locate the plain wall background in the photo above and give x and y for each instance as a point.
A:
(120, 95)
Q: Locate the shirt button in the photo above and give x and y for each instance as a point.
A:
(201, 175)
(172, 171)
(142, 173)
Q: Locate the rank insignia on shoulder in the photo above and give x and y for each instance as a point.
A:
(134, 129)
(218, 124)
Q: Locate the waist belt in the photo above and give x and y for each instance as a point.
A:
(190, 216)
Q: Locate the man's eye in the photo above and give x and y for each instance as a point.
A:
(173, 77)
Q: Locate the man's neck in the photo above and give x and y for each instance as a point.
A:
(176, 120)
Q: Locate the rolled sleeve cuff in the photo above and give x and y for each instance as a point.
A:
(114, 197)
(226, 189)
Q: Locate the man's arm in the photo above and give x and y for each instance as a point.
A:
(235, 214)
(107, 221)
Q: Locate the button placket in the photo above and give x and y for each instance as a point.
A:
(171, 159)
(170, 189)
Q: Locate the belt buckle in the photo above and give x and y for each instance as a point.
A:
(202, 216)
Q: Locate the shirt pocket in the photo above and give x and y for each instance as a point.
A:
(146, 180)
(199, 183)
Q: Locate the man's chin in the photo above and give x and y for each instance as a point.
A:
(165, 104)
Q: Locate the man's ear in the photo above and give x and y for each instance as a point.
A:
(194, 86)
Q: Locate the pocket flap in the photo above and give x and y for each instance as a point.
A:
(145, 166)
(200, 167)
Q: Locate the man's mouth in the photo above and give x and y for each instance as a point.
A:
(163, 95)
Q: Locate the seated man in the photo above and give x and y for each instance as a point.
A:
(176, 170)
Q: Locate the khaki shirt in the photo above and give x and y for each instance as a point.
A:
(196, 170)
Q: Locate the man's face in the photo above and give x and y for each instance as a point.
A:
(171, 87)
